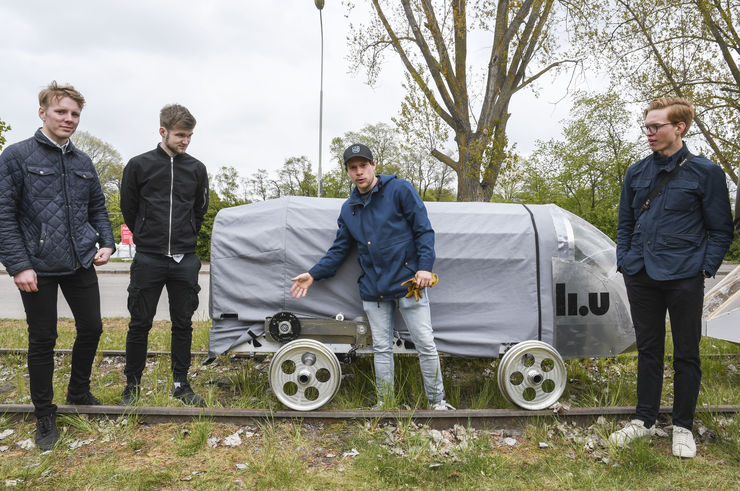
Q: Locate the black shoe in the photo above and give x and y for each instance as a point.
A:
(185, 394)
(87, 399)
(130, 395)
(47, 434)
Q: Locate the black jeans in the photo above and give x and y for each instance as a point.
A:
(683, 299)
(80, 289)
(149, 274)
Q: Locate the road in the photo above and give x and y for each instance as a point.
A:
(113, 278)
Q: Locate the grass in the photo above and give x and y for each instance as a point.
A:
(125, 453)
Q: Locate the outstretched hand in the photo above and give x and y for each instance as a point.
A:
(301, 284)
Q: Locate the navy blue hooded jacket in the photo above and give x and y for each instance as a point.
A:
(688, 227)
(52, 208)
(393, 235)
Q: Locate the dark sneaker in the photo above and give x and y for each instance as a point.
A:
(47, 434)
(185, 394)
(86, 399)
(130, 395)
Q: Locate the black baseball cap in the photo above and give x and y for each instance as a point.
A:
(357, 150)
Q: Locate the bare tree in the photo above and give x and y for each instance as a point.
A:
(431, 39)
(687, 48)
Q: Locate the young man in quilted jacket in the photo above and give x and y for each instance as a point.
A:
(387, 221)
(666, 247)
(52, 221)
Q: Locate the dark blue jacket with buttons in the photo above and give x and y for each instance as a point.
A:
(393, 235)
(52, 208)
(688, 227)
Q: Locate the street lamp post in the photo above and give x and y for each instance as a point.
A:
(320, 6)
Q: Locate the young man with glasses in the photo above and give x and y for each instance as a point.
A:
(668, 241)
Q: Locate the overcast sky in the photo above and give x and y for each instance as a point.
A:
(247, 70)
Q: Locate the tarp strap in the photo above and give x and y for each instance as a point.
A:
(537, 263)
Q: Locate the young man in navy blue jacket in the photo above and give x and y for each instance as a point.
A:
(52, 220)
(387, 221)
(665, 250)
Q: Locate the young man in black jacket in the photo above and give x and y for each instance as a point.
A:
(164, 197)
(52, 218)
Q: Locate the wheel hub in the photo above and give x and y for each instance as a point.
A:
(532, 375)
(305, 374)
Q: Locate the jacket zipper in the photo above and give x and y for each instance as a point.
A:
(67, 209)
(172, 185)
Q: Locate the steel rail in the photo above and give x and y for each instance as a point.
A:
(257, 356)
(113, 352)
(475, 418)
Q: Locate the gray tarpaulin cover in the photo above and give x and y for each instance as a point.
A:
(486, 261)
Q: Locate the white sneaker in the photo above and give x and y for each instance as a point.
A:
(442, 406)
(633, 429)
(683, 443)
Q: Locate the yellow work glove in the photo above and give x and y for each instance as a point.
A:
(414, 289)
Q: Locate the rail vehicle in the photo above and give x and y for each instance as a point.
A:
(528, 283)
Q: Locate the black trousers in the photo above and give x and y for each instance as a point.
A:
(683, 299)
(80, 289)
(149, 274)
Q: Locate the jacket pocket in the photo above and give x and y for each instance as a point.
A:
(679, 242)
(41, 244)
(682, 195)
(140, 219)
(80, 185)
(43, 182)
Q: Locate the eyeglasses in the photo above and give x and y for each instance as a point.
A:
(650, 129)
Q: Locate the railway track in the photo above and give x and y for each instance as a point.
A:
(154, 354)
(475, 418)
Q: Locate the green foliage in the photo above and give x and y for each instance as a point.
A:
(583, 172)
(114, 214)
(658, 48)
(232, 189)
(297, 179)
(107, 161)
(4, 128)
(203, 247)
(733, 254)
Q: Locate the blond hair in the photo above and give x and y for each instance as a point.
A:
(680, 110)
(54, 92)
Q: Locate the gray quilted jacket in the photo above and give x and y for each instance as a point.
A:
(52, 208)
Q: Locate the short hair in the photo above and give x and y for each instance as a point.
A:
(176, 116)
(54, 92)
(680, 110)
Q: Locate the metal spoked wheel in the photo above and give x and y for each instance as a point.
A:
(305, 374)
(532, 375)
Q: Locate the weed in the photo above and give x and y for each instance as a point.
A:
(190, 441)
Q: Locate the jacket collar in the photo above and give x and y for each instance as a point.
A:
(669, 163)
(41, 137)
(162, 152)
(355, 198)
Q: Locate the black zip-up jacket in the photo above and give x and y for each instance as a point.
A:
(164, 200)
(52, 208)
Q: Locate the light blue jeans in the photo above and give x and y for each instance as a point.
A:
(418, 320)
